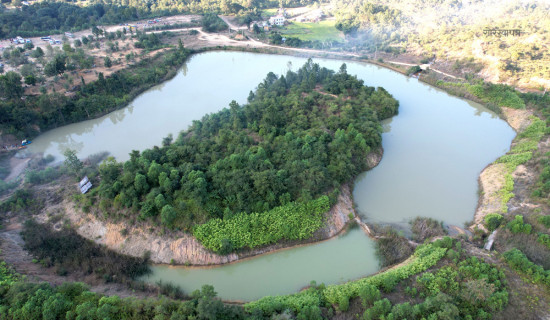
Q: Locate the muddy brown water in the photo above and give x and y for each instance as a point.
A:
(434, 151)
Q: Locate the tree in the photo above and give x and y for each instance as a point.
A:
(37, 53)
(140, 183)
(96, 31)
(56, 66)
(256, 29)
(107, 61)
(492, 221)
(73, 164)
(67, 47)
(30, 80)
(10, 85)
(369, 294)
(168, 215)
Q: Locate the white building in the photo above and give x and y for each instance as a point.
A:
(278, 20)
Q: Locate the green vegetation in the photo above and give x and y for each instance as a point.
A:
(542, 186)
(212, 23)
(492, 221)
(319, 31)
(23, 117)
(518, 226)
(520, 154)
(397, 26)
(519, 262)
(413, 70)
(492, 94)
(544, 220)
(42, 176)
(294, 221)
(299, 137)
(68, 252)
(22, 201)
(44, 18)
(544, 239)
(464, 288)
(424, 257)
(25, 300)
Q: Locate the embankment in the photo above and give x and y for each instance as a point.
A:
(185, 249)
(492, 178)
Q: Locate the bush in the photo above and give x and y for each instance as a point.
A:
(42, 176)
(424, 228)
(519, 262)
(517, 225)
(492, 221)
(413, 70)
(544, 220)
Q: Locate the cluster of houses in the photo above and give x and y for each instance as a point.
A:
(281, 18)
(20, 40)
(278, 20)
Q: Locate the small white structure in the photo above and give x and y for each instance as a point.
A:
(85, 185)
(278, 20)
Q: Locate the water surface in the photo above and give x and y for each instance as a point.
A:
(347, 257)
(434, 151)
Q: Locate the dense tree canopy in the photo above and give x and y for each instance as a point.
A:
(42, 18)
(25, 118)
(300, 136)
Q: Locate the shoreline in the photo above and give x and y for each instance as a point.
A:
(186, 250)
(111, 234)
(492, 178)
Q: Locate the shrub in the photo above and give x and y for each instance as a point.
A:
(492, 221)
(517, 225)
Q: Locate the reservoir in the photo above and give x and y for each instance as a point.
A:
(434, 151)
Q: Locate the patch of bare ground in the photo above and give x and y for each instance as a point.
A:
(12, 251)
(518, 119)
(492, 178)
(183, 248)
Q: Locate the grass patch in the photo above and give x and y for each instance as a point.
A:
(520, 154)
(320, 31)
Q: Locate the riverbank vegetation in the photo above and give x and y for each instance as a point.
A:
(26, 117)
(300, 136)
(460, 286)
(440, 280)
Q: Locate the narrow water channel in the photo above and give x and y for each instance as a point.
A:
(434, 151)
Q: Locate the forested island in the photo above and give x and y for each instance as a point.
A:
(254, 174)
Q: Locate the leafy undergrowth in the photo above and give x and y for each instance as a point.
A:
(456, 286)
(294, 221)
